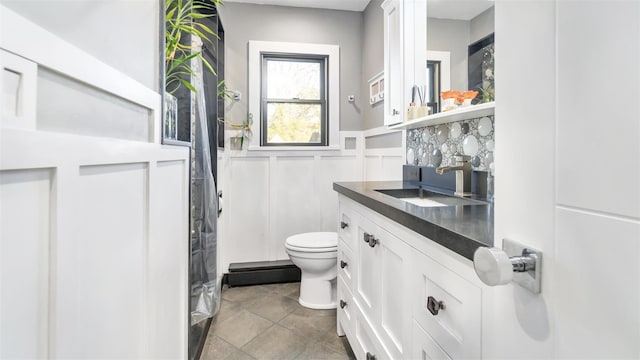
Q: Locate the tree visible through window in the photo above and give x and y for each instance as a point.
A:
(294, 105)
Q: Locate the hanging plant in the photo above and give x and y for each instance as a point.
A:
(181, 18)
(245, 132)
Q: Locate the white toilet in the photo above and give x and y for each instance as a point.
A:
(316, 255)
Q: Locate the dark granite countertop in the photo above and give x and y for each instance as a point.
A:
(461, 228)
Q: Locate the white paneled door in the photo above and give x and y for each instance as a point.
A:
(568, 169)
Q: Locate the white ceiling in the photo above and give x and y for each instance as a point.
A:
(442, 9)
(351, 5)
(457, 9)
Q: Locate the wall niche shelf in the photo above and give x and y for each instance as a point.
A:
(470, 112)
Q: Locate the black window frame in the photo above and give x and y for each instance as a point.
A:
(323, 60)
(433, 82)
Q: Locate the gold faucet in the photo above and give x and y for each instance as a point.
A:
(462, 167)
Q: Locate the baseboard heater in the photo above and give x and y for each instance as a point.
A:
(261, 272)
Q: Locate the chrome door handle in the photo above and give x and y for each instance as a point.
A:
(515, 262)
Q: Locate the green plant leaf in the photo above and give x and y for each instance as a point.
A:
(181, 16)
(187, 84)
(170, 13)
(206, 63)
(207, 30)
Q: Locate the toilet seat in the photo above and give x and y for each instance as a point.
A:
(313, 242)
(310, 250)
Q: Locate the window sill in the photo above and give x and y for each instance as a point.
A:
(294, 148)
(302, 151)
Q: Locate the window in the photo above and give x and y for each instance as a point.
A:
(293, 100)
(433, 85)
(438, 77)
(293, 95)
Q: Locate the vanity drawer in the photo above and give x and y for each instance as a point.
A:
(345, 265)
(424, 347)
(346, 308)
(347, 225)
(448, 307)
(367, 344)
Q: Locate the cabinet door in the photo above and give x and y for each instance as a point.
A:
(393, 62)
(383, 272)
(395, 301)
(405, 46)
(368, 290)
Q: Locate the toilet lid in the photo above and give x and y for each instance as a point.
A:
(314, 240)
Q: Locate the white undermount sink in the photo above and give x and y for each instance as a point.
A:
(426, 198)
(422, 202)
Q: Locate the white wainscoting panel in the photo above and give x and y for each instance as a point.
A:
(168, 217)
(383, 167)
(25, 231)
(383, 163)
(246, 202)
(102, 229)
(330, 169)
(103, 275)
(293, 201)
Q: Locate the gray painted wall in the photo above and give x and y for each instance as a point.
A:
(452, 36)
(455, 36)
(393, 140)
(123, 34)
(372, 62)
(482, 25)
(244, 22)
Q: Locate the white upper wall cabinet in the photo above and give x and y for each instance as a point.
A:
(405, 46)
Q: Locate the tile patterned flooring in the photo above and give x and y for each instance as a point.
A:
(267, 322)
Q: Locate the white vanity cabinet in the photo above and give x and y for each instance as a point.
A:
(405, 47)
(401, 295)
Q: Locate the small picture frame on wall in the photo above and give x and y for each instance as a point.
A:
(376, 88)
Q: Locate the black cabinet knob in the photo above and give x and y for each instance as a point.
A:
(343, 225)
(342, 304)
(434, 306)
(370, 356)
(370, 239)
(343, 264)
